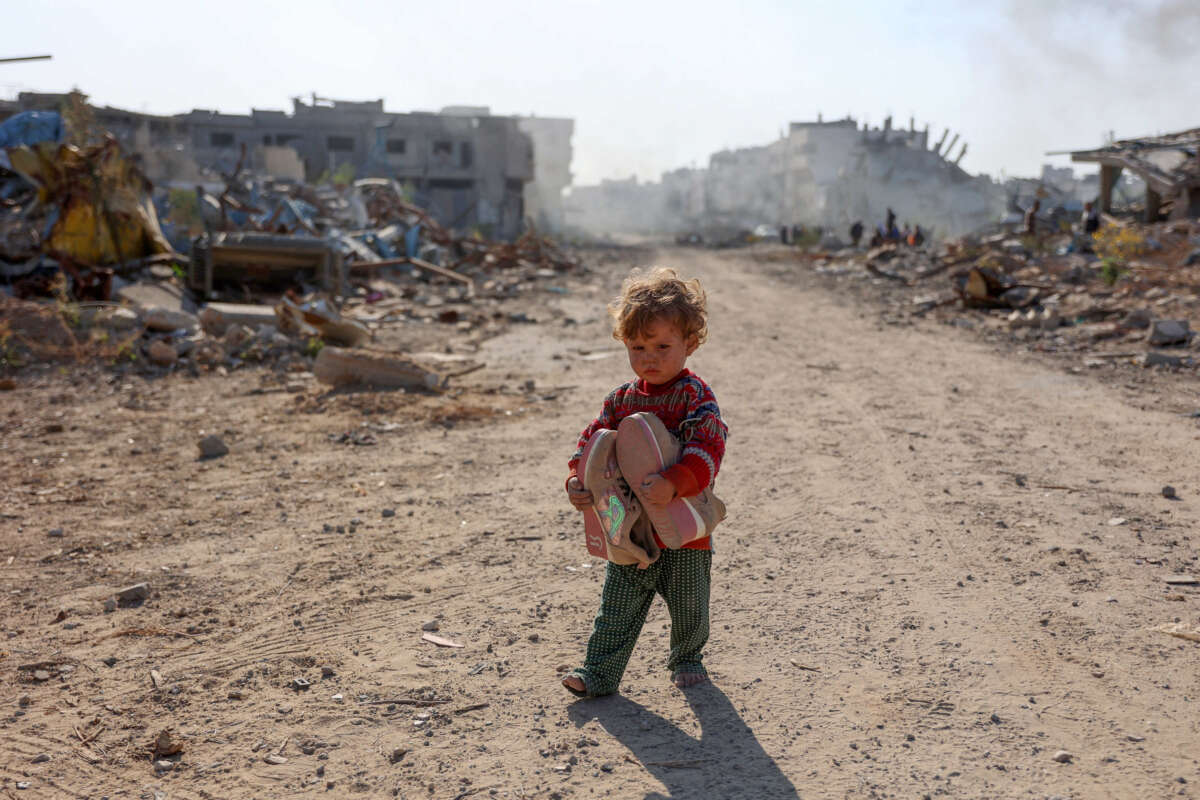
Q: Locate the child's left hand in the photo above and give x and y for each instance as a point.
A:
(658, 490)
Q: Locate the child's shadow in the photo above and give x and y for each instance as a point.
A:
(726, 761)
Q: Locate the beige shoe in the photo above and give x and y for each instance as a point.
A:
(614, 511)
(645, 447)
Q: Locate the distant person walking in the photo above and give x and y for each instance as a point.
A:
(1091, 218)
(856, 232)
(1031, 218)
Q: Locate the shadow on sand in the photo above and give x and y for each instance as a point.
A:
(726, 761)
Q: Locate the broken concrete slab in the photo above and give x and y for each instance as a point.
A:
(155, 294)
(320, 318)
(216, 318)
(133, 595)
(1169, 331)
(1153, 359)
(336, 366)
(168, 320)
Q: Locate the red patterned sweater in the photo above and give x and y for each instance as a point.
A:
(688, 409)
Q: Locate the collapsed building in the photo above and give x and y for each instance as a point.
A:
(1168, 165)
(822, 173)
(467, 167)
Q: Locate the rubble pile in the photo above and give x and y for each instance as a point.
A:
(1127, 294)
(259, 270)
(84, 211)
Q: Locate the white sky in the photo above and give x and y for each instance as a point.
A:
(651, 85)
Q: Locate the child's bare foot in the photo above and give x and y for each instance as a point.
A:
(574, 683)
(685, 679)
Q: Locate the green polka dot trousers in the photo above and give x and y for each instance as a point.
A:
(682, 577)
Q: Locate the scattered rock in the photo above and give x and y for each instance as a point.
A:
(110, 661)
(1168, 492)
(167, 320)
(161, 354)
(327, 672)
(1169, 331)
(110, 605)
(1137, 318)
(397, 755)
(41, 758)
(121, 319)
(55, 533)
(1153, 359)
(1063, 757)
(432, 625)
(41, 675)
(163, 765)
(389, 512)
(165, 744)
(212, 447)
(137, 593)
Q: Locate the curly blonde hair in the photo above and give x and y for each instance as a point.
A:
(659, 294)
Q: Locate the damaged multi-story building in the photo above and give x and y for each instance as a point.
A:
(1167, 165)
(822, 173)
(467, 167)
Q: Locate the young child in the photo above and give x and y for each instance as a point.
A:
(662, 320)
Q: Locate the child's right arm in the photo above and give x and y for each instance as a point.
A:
(580, 497)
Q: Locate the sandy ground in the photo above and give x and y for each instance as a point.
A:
(944, 563)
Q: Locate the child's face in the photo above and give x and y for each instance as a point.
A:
(660, 352)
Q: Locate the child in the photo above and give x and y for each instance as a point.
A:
(662, 320)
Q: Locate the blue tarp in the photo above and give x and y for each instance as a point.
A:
(31, 127)
(412, 240)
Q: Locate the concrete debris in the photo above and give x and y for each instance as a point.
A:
(212, 446)
(215, 318)
(1109, 295)
(166, 743)
(167, 321)
(1168, 332)
(133, 595)
(319, 318)
(161, 354)
(285, 264)
(1153, 359)
(338, 367)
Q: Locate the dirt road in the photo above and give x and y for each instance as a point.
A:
(943, 565)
